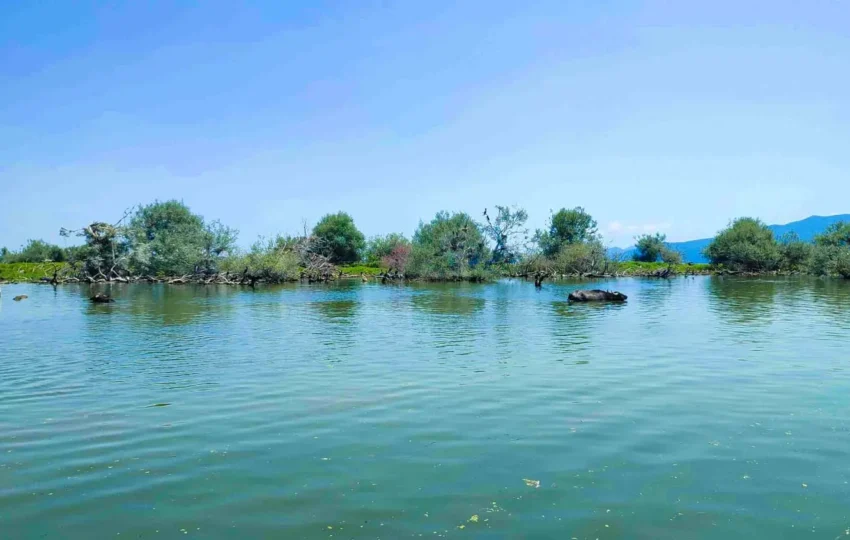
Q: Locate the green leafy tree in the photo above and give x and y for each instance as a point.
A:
(670, 255)
(167, 239)
(836, 235)
(449, 246)
(36, 251)
(340, 238)
(380, 247)
(747, 244)
(507, 231)
(841, 263)
(649, 247)
(567, 227)
(218, 241)
(794, 254)
(831, 254)
(74, 255)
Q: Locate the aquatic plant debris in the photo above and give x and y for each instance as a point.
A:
(474, 519)
(531, 483)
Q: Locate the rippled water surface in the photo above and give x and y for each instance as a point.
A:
(701, 408)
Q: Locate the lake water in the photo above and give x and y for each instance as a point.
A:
(701, 408)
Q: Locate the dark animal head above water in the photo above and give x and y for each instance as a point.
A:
(597, 295)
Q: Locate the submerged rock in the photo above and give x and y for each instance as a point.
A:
(101, 299)
(20, 297)
(597, 295)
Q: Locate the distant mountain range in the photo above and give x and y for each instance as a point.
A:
(691, 250)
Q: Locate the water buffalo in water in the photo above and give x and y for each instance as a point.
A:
(597, 296)
(101, 299)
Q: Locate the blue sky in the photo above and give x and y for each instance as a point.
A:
(667, 116)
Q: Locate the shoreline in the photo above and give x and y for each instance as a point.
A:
(240, 281)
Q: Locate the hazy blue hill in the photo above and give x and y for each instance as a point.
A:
(691, 250)
(810, 227)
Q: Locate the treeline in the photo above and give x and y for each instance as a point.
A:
(748, 245)
(36, 251)
(167, 240)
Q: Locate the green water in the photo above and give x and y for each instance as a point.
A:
(701, 408)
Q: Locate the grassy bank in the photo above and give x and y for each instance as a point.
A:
(358, 269)
(635, 268)
(28, 271)
(627, 268)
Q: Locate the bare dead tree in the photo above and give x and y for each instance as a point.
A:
(102, 240)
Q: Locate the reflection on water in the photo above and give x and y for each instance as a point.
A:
(163, 305)
(447, 303)
(832, 297)
(336, 309)
(744, 301)
(700, 408)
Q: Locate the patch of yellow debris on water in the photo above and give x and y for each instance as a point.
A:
(531, 483)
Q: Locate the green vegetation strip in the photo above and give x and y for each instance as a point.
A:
(167, 240)
(357, 269)
(638, 268)
(28, 271)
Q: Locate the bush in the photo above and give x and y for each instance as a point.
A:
(535, 263)
(398, 258)
(423, 263)
(652, 247)
(841, 263)
(582, 258)
(830, 260)
(671, 256)
(217, 242)
(447, 248)
(35, 251)
(794, 254)
(567, 227)
(341, 241)
(836, 235)
(832, 251)
(379, 247)
(166, 238)
(269, 260)
(745, 245)
(648, 247)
